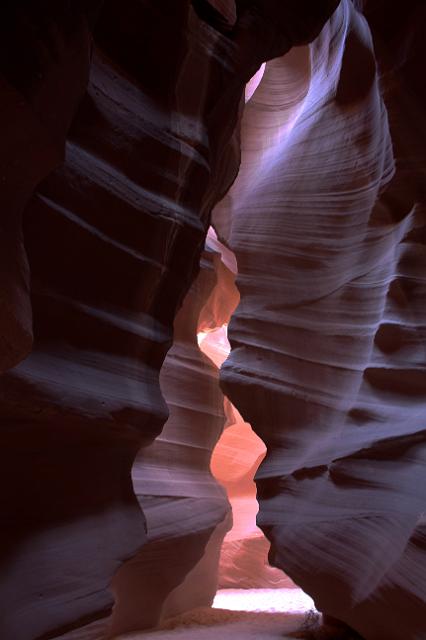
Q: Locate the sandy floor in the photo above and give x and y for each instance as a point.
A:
(239, 615)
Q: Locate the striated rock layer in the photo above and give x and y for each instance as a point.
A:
(236, 457)
(244, 556)
(40, 44)
(113, 240)
(328, 361)
(186, 510)
(235, 460)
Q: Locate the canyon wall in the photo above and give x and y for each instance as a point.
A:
(39, 46)
(121, 131)
(96, 259)
(328, 360)
(113, 241)
(187, 511)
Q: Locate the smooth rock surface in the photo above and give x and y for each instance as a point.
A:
(186, 510)
(40, 44)
(328, 362)
(113, 240)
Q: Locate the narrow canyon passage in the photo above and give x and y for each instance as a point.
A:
(131, 429)
(252, 597)
(235, 459)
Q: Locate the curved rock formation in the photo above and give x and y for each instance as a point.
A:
(186, 510)
(235, 460)
(114, 239)
(236, 457)
(328, 360)
(40, 43)
(244, 556)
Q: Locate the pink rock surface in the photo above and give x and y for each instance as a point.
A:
(238, 453)
(244, 556)
(328, 361)
(113, 240)
(186, 510)
(328, 364)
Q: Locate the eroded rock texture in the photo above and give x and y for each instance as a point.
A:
(40, 44)
(186, 510)
(235, 460)
(327, 220)
(244, 556)
(113, 240)
(243, 562)
(328, 361)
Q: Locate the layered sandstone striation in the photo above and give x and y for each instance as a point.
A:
(234, 463)
(243, 562)
(40, 44)
(244, 555)
(328, 362)
(111, 242)
(327, 222)
(187, 512)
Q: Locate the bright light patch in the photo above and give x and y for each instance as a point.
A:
(200, 337)
(254, 82)
(266, 600)
(215, 344)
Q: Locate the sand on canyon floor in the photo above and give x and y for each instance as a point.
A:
(237, 614)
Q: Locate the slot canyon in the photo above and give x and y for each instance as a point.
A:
(213, 320)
